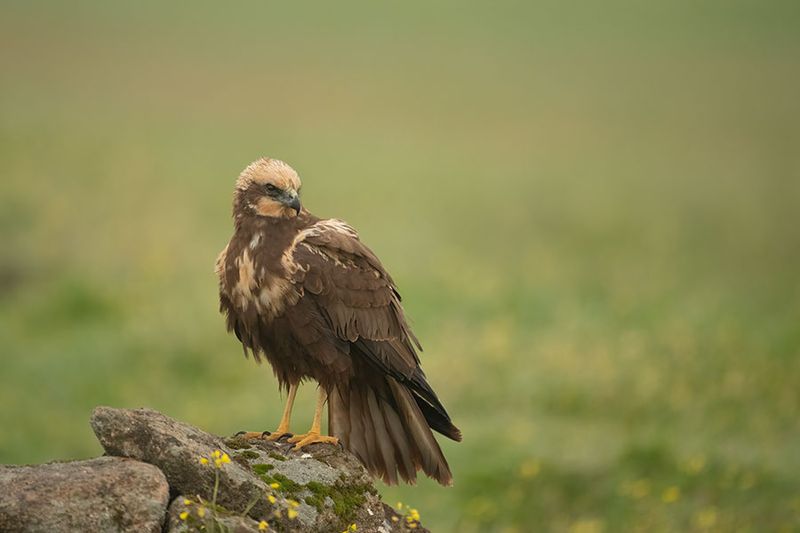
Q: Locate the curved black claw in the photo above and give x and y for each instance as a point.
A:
(239, 433)
(266, 433)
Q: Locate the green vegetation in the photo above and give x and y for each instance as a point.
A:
(287, 485)
(238, 443)
(346, 499)
(262, 469)
(248, 454)
(590, 210)
(281, 483)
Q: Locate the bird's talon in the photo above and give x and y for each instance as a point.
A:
(249, 435)
(276, 436)
(300, 441)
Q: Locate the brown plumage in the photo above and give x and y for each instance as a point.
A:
(311, 298)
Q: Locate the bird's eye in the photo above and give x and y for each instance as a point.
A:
(271, 188)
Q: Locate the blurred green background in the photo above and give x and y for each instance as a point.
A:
(590, 208)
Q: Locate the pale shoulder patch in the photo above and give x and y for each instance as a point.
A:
(317, 229)
(270, 295)
(276, 295)
(340, 226)
(246, 282)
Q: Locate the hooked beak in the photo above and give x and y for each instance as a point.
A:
(293, 201)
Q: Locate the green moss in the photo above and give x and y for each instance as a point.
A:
(266, 478)
(237, 443)
(248, 454)
(288, 487)
(346, 499)
(277, 456)
(319, 492)
(262, 469)
(316, 501)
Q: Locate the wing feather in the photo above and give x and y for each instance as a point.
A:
(361, 305)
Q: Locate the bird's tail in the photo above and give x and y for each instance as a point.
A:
(383, 425)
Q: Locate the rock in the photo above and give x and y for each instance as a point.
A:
(176, 448)
(191, 521)
(98, 495)
(320, 488)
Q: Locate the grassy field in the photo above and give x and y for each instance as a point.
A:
(592, 213)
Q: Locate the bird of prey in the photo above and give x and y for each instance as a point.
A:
(308, 296)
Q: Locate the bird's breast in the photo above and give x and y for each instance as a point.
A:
(255, 277)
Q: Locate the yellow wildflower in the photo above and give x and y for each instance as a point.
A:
(221, 459)
(636, 489)
(696, 464)
(201, 512)
(184, 515)
(263, 526)
(395, 519)
(353, 527)
(748, 481)
(671, 494)
(413, 514)
(587, 525)
(275, 486)
(187, 501)
(216, 454)
(412, 525)
(706, 519)
(293, 503)
(271, 498)
(203, 461)
(481, 506)
(529, 469)
(291, 513)
(400, 505)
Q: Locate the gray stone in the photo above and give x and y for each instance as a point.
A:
(108, 494)
(176, 448)
(320, 488)
(209, 521)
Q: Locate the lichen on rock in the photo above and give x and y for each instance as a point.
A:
(320, 488)
(214, 484)
(103, 494)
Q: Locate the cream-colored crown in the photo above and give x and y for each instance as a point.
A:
(266, 170)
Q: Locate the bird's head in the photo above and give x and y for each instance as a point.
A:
(268, 188)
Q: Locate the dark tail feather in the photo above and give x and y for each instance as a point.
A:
(438, 420)
(385, 428)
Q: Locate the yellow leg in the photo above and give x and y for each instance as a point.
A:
(283, 426)
(314, 434)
